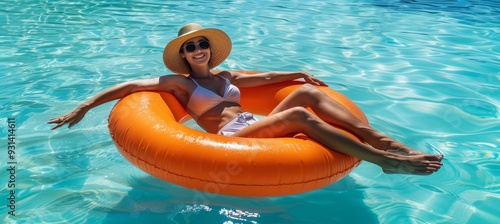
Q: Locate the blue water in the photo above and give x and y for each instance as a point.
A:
(425, 72)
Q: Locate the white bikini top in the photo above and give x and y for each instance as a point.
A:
(203, 99)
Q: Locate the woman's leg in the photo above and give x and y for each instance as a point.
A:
(298, 119)
(334, 113)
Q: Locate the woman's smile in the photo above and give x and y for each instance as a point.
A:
(199, 56)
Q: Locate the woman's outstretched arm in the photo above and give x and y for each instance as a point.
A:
(252, 80)
(113, 93)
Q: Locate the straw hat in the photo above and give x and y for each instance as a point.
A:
(220, 46)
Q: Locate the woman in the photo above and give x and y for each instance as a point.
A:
(213, 101)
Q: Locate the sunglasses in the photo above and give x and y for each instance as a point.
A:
(191, 47)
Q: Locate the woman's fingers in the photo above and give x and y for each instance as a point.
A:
(74, 121)
(55, 120)
(58, 121)
(58, 125)
(319, 82)
(315, 81)
(61, 120)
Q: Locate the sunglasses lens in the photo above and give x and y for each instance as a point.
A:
(204, 44)
(190, 47)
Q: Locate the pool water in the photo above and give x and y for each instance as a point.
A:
(425, 72)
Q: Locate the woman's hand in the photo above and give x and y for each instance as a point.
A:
(71, 118)
(313, 80)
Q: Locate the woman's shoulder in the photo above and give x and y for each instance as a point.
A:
(230, 75)
(173, 78)
(174, 82)
(223, 73)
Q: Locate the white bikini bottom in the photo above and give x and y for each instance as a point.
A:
(239, 122)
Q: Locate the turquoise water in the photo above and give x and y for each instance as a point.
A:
(426, 73)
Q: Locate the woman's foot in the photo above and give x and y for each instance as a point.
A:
(419, 164)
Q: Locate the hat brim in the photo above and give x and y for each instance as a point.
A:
(220, 46)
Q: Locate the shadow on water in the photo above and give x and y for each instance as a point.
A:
(153, 200)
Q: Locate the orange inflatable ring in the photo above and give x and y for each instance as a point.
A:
(147, 130)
